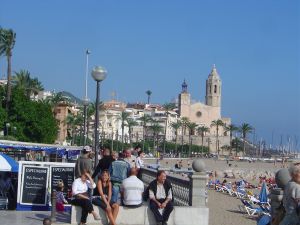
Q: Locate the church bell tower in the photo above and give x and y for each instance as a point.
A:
(184, 101)
(213, 88)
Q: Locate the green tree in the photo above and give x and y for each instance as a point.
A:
(149, 93)
(202, 130)
(192, 127)
(168, 107)
(175, 126)
(23, 81)
(131, 123)
(217, 124)
(156, 128)
(145, 119)
(7, 43)
(123, 117)
(57, 98)
(245, 128)
(184, 122)
(34, 121)
(230, 128)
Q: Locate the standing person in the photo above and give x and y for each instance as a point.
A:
(129, 158)
(80, 193)
(103, 163)
(60, 198)
(84, 162)
(139, 160)
(291, 197)
(119, 171)
(160, 194)
(132, 189)
(104, 187)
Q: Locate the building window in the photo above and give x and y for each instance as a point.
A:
(215, 89)
(210, 89)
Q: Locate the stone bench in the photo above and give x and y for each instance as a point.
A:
(181, 215)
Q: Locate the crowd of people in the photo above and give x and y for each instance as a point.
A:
(115, 181)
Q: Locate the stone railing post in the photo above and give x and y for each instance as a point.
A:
(198, 180)
(282, 177)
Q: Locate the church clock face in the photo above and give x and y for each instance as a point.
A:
(198, 114)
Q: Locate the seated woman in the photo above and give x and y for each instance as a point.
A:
(80, 194)
(104, 188)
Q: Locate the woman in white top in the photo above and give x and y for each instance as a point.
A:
(139, 163)
(81, 198)
(139, 160)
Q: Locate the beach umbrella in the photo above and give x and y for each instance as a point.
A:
(263, 195)
(8, 164)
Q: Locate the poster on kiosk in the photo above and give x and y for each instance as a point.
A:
(34, 185)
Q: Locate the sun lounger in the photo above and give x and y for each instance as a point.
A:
(251, 210)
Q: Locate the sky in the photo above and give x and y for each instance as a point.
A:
(155, 45)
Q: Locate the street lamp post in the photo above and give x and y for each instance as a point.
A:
(85, 99)
(99, 75)
(7, 128)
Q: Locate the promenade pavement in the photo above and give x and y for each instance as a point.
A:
(30, 217)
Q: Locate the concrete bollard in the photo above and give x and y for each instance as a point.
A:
(198, 195)
(53, 209)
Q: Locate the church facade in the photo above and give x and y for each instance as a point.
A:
(204, 113)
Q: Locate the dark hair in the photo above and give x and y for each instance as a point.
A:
(159, 172)
(140, 152)
(47, 221)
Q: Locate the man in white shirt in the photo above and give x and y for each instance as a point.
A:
(132, 190)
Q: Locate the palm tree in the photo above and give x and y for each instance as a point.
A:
(23, 81)
(73, 122)
(230, 128)
(131, 123)
(168, 107)
(217, 124)
(123, 117)
(7, 43)
(245, 128)
(191, 127)
(145, 119)
(148, 92)
(202, 131)
(184, 122)
(57, 98)
(175, 126)
(156, 128)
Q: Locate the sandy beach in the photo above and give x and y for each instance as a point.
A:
(224, 209)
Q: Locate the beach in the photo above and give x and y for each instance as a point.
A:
(223, 208)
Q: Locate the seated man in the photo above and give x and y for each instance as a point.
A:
(132, 189)
(128, 157)
(160, 194)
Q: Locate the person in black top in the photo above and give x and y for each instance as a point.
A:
(161, 198)
(103, 163)
(104, 188)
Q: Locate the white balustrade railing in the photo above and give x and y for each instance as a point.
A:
(181, 187)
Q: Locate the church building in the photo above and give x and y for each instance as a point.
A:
(204, 113)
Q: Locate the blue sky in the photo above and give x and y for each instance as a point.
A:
(156, 44)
